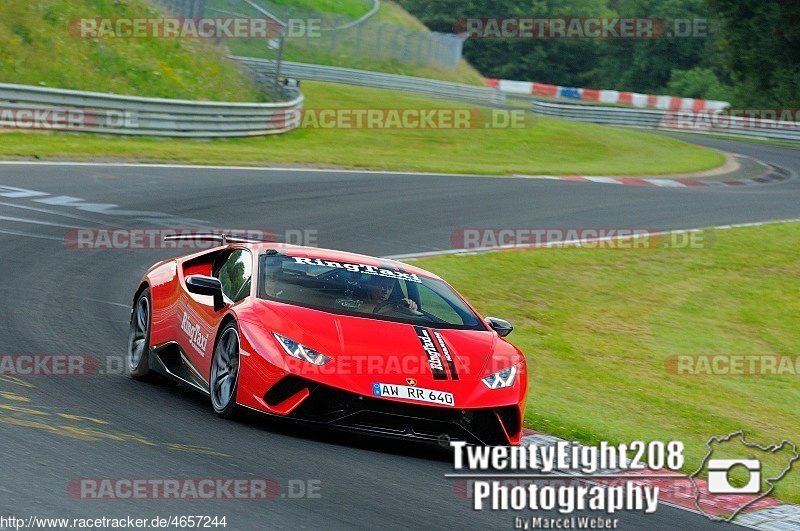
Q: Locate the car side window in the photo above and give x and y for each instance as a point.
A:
(235, 274)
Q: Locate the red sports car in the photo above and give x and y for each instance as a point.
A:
(328, 337)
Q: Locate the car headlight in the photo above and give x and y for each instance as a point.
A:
(501, 379)
(296, 350)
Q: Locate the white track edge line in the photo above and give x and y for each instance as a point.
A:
(577, 243)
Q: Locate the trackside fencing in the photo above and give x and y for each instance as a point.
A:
(365, 38)
(366, 78)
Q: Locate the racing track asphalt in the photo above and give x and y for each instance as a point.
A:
(60, 300)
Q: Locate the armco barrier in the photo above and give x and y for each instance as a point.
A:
(129, 115)
(681, 114)
(600, 114)
(708, 121)
(349, 76)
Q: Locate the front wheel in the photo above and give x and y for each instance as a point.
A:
(225, 372)
(138, 356)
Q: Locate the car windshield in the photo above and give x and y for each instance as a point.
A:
(364, 291)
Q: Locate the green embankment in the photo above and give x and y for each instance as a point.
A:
(599, 326)
(544, 146)
(37, 48)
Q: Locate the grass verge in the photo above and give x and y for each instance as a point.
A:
(545, 147)
(36, 48)
(350, 8)
(597, 327)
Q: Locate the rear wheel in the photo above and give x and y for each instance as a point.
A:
(225, 372)
(138, 355)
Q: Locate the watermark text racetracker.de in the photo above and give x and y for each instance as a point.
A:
(65, 119)
(60, 365)
(193, 28)
(776, 119)
(157, 238)
(571, 28)
(52, 365)
(546, 464)
(57, 365)
(193, 488)
(377, 119)
(733, 365)
(628, 238)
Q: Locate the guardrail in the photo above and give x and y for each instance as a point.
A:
(600, 114)
(366, 78)
(96, 112)
(707, 121)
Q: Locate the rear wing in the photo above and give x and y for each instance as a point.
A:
(224, 239)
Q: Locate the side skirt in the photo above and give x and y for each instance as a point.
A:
(168, 359)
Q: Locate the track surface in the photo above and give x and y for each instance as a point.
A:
(60, 300)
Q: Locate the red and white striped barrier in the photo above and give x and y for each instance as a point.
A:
(634, 99)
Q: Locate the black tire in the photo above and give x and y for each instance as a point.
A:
(225, 372)
(137, 358)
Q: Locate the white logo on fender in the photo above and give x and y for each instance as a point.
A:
(196, 337)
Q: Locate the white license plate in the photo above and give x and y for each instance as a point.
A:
(412, 393)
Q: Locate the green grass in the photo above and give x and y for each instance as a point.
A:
(597, 326)
(545, 147)
(350, 8)
(36, 48)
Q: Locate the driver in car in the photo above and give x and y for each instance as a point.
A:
(379, 294)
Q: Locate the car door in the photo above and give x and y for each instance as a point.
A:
(201, 320)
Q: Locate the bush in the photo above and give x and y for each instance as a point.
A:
(697, 83)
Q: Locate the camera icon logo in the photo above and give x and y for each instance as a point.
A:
(733, 484)
(719, 476)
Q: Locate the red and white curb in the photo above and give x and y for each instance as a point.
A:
(773, 176)
(767, 513)
(783, 517)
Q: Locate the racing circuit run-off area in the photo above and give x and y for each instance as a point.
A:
(372, 264)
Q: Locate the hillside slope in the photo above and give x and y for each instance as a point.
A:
(367, 46)
(36, 48)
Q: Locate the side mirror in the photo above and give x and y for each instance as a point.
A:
(501, 326)
(203, 285)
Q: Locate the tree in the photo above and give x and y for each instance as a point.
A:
(761, 45)
(749, 53)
